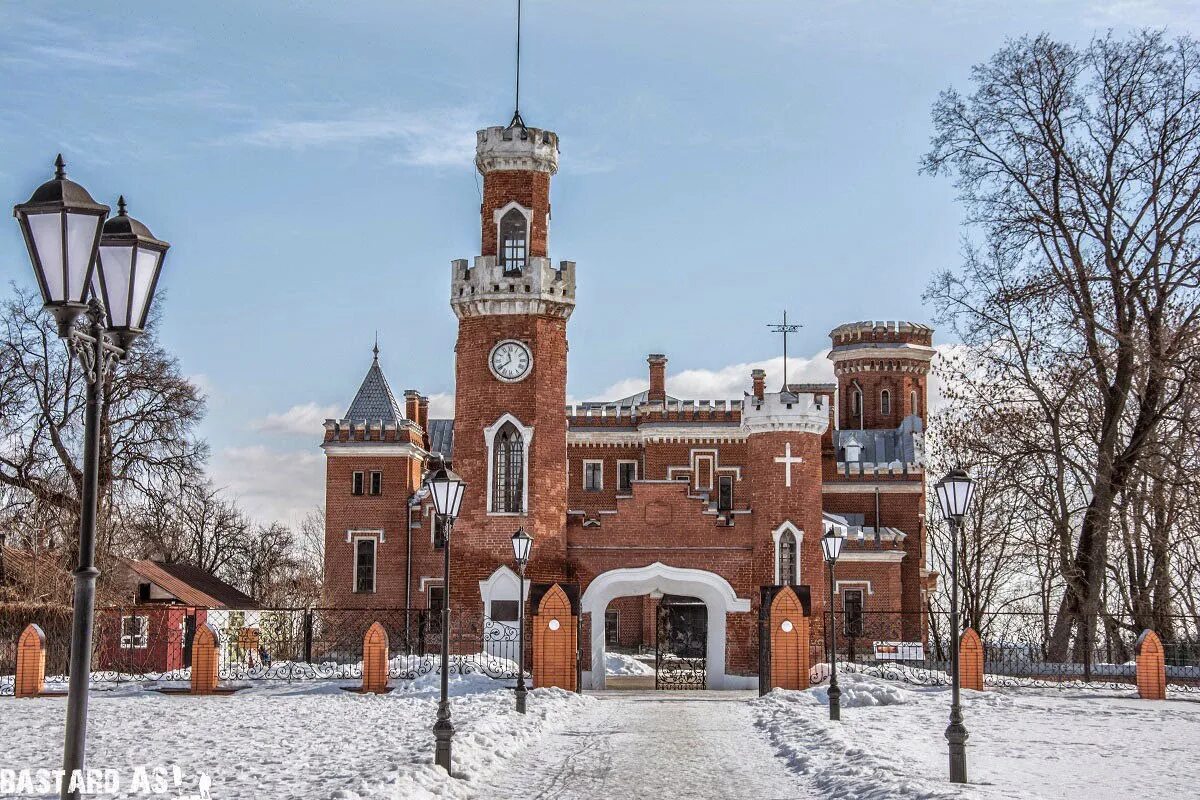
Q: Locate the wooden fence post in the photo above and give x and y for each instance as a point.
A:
(375, 660)
(31, 662)
(970, 660)
(1151, 667)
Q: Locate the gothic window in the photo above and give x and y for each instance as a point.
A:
(885, 402)
(788, 573)
(513, 241)
(508, 478)
(364, 565)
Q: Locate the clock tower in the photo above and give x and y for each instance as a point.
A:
(510, 424)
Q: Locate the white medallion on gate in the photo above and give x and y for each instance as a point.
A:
(510, 361)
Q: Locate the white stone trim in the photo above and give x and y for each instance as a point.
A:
(888, 487)
(777, 535)
(427, 581)
(877, 556)
(352, 533)
(489, 437)
(392, 449)
(493, 588)
(837, 586)
(717, 594)
(499, 213)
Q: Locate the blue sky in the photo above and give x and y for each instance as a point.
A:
(311, 164)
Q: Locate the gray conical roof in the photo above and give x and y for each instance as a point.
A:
(374, 400)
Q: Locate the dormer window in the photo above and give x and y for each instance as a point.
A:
(514, 238)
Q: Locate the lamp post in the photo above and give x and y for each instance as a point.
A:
(954, 494)
(522, 543)
(447, 490)
(76, 253)
(831, 546)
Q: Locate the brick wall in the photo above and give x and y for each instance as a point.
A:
(531, 190)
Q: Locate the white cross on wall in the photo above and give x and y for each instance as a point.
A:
(787, 460)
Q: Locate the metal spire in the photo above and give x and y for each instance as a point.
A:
(516, 119)
(375, 349)
(785, 329)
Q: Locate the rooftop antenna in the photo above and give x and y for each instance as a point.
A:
(785, 329)
(516, 120)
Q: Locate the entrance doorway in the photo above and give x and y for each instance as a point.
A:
(681, 643)
(707, 593)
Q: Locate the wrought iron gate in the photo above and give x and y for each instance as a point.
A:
(681, 643)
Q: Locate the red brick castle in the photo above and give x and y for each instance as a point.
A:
(635, 500)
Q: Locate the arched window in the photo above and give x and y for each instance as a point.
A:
(912, 402)
(513, 237)
(885, 402)
(788, 572)
(508, 479)
(856, 403)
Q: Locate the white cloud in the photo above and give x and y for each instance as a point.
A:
(438, 137)
(441, 405)
(728, 382)
(272, 484)
(1142, 13)
(306, 419)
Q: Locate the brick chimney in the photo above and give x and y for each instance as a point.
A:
(423, 412)
(658, 378)
(411, 398)
(759, 376)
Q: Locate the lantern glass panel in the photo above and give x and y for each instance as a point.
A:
(143, 283)
(115, 268)
(46, 230)
(81, 238)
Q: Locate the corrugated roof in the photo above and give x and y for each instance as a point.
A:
(374, 401)
(192, 586)
(441, 437)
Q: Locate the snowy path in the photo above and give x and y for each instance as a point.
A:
(666, 745)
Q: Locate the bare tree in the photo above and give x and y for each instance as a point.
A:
(1080, 167)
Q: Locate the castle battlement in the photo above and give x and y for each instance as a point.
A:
(404, 431)
(805, 412)
(489, 288)
(500, 148)
(890, 332)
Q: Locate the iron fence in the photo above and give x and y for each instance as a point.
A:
(1018, 652)
(154, 643)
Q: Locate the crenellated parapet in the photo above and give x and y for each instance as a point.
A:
(516, 148)
(487, 288)
(803, 412)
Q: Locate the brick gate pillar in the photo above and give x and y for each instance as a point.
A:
(970, 660)
(375, 660)
(205, 659)
(789, 642)
(1151, 667)
(555, 642)
(31, 662)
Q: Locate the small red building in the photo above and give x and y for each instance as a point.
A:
(168, 602)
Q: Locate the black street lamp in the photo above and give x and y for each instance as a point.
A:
(954, 494)
(831, 546)
(522, 543)
(68, 239)
(447, 490)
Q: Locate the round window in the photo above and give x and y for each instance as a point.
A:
(786, 626)
(554, 625)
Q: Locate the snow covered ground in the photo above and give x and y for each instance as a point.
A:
(1065, 744)
(299, 740)
(621, 664)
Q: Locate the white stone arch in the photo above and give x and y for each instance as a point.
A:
(503, 584)
(489, 438)
(717, 594)
(777, 534)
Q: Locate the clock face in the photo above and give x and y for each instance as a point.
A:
(510, 361)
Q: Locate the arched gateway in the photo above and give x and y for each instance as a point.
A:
(718, 596)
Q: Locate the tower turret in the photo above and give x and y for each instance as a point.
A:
(882, 370)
